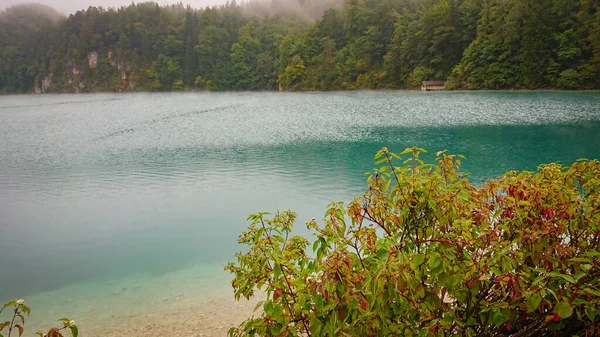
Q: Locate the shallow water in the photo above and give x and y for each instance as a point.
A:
(115, 202)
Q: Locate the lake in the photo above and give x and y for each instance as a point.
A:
(129, 205)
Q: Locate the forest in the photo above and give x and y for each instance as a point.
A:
(330, 45)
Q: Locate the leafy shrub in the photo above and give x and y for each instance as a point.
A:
(423, 252)
(18, 315)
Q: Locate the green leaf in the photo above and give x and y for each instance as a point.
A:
(319, 302)
(496, 317)
(418, 260)
(592, 291)
(10, 304)
(315, 245)
(590, 313)
(567, 278)
(65, 321)
(268, 307)
(533, 302)
(26, 309)
(578, 275)
(74, 330)
(435, 262)
(496, 271)
(563, 309)
(258, 305)
(41, 334)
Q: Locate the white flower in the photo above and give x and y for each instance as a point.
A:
(72, 323)
(21, 302)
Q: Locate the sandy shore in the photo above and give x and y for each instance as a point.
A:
(164, 307)
(212, 317)
(190, 302)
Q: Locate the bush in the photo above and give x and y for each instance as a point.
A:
(17, 322)
(423, 252)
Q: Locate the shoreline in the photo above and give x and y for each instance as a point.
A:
(192, 302)
(213, 317)
(306, 92)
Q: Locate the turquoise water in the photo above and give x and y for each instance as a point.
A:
(109, 200)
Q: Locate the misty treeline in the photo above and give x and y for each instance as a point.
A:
(371, 44)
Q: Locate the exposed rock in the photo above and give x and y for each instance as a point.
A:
(112, 59)
(125, 70)
(74, 69)
(92, 59)
(75, 75)
(78, 78)
(42, 85)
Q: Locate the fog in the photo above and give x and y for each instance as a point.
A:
(71, 6)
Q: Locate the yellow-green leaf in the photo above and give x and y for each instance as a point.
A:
(563, 309)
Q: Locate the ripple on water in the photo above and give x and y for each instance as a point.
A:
(98, 192)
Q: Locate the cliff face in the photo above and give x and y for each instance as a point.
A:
(75, 76)
(125, 81)
(43, 84)
(108, 71)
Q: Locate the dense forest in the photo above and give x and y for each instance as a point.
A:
(370, 44)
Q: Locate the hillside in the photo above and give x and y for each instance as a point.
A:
(473, 44)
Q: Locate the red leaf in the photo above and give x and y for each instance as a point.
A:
(511, 191)
(363, 305)
(553, 317)
(500, 278)
(522, 318)
(277, 293)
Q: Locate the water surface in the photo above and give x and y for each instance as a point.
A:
(110, 199)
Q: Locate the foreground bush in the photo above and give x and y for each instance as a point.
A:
(16, 325)
(423, 252)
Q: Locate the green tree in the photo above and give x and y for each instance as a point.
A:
(190, 36)
(294, 74)
(244, 54)
(474, 44)
(166, 73)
